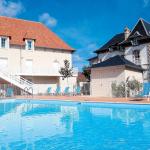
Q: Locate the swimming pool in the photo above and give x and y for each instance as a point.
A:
(58, 125)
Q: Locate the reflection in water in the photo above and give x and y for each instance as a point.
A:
(36, 126)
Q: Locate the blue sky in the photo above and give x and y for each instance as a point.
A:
(84, 24)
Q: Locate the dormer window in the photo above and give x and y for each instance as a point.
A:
(30, 45)
(4, 42)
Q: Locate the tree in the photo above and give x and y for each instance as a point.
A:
(86, 72)
(66, 71)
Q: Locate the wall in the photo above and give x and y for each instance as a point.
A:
(102, 78)
(42, 58)
(143, 56)
(134, 75)
(143, 53)
(41, 83)
(72, 81)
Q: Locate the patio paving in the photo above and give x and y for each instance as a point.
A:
(89, 99)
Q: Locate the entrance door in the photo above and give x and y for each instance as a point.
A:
(3, 63)
(29, 66)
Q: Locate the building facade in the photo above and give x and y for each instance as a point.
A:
(30, 51)
(133, 45)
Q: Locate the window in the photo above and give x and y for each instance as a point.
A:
(4, 42)
(56, 65)
(3, 63)
(136, 57)
(29, 66)
(29, 45)
(135, 42)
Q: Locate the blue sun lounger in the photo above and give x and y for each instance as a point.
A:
(146, 90)
(78, 90)
(9, 92)
(49, 90)
(66, 91)
(58, 90)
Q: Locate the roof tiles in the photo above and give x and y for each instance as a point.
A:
(18, 30)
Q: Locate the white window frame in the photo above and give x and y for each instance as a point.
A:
(136, 57)
(26, 45)
(6, 44)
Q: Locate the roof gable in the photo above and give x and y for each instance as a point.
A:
(19, 30)
(142, 27)
(147, 26)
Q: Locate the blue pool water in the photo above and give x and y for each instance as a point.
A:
(44, 125)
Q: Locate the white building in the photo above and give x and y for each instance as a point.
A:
(31, 55)
(125, 55)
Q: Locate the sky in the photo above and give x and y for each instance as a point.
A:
(84, 24)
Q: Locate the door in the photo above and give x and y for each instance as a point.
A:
(3, 64)
(29, 66)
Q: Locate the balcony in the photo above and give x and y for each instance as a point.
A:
(44, 72)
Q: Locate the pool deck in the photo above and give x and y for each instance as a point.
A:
(89, 99)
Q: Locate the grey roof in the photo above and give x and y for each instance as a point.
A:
(147, 26)
(118, 61)
(142, 27)
(118, 38)
(93, 58)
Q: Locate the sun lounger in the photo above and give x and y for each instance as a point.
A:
(77, 91)
(49, 91)
(9, 92)
(58, 90)
(146, 91)
(66, 91)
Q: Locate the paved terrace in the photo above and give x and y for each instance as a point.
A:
(89, 99)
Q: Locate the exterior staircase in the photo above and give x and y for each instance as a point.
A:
(18, 81)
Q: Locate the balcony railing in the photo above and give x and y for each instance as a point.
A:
(44, 72)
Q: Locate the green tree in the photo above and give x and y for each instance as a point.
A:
(66, 71)
(87, 72)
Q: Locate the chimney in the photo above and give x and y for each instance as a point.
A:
(126, 32)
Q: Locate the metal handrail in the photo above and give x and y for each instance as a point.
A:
(27, 90)
(17, 78)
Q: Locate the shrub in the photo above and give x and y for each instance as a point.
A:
(132, 86)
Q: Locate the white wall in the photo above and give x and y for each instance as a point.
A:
(43, 59)
(102, 78)
(143, 53)
(72, 81)
(41, 83)
(134, 75)
(43, 63)
(143, 57)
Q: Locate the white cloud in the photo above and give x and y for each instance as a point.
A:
(146, 2)
(9, 8)
(48, 20)
(78, 58)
